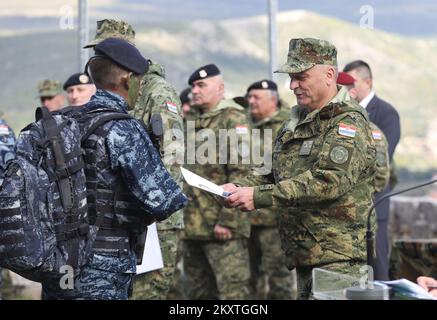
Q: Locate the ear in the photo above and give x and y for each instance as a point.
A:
(369, 82)
(124, 81)
(331, 76)
(221, 88)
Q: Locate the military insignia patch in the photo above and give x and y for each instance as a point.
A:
(265, 85)
(376, 135)
(171, 107)
(4, 130)
(202, 73)
(339, 155)
(306, 147)
(241, 129)
(347, 130)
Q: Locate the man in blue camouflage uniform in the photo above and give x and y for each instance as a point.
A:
(116, 69)
(7, 144)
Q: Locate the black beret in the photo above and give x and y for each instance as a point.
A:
(122, 53)
(185, 95)
(77, 78)
(263, 84)
(210, 70)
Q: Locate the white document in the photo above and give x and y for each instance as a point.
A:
(152, 256)
(408, 288)
(197, 181)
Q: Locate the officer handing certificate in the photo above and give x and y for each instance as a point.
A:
(197, 181)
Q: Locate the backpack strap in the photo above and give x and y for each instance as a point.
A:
(52, 132)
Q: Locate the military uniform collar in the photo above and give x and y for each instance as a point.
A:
(223, 104)
(266, 120)
(107, 99)
(332, 108)
(156, 68)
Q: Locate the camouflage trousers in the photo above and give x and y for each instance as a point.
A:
(104, 277)
(177, 289)
(217, 269)
(305, 279)
(270, 278)
(155, 285)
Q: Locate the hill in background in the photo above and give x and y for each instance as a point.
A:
(403, 67)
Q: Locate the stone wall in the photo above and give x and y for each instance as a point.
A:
(413, 218)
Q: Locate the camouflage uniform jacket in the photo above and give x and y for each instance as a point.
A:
(7, 142)
(157, 96)
(268, 216)
(323, 169)
(203, 211)
(382, 175)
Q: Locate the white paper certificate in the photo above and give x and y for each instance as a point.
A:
(152, 256)
(197, 181)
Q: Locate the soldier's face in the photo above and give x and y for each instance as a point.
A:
(207, 92)
(80, 94)
(311, 86)
(261, 103)
(53, 103)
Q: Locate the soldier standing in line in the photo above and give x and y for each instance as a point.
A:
(159, 107)
(50, 95)
(7, 146)
(215, 257)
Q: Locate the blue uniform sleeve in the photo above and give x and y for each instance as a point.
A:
(131, 150)
(7, 143)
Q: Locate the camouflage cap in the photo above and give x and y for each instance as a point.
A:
(49, 88)
(306, 53)
(109, 28)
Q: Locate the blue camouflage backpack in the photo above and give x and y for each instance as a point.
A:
(44, 220)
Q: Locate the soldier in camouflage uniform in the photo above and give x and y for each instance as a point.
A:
(323, 166)
(7, 146)
(159, 107)
(216, 260)
(267, 261)
(50, 94)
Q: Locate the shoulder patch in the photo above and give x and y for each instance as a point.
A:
(376, 135)
(339, 154)
(4, 130)
(347, 130)
(171, 106)
(241, 129)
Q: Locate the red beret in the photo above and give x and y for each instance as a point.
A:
(345, 79)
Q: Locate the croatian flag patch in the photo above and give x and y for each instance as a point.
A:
(4, 130)
(241, 129)
(347, 130)
(171, 107)
(376, 135)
